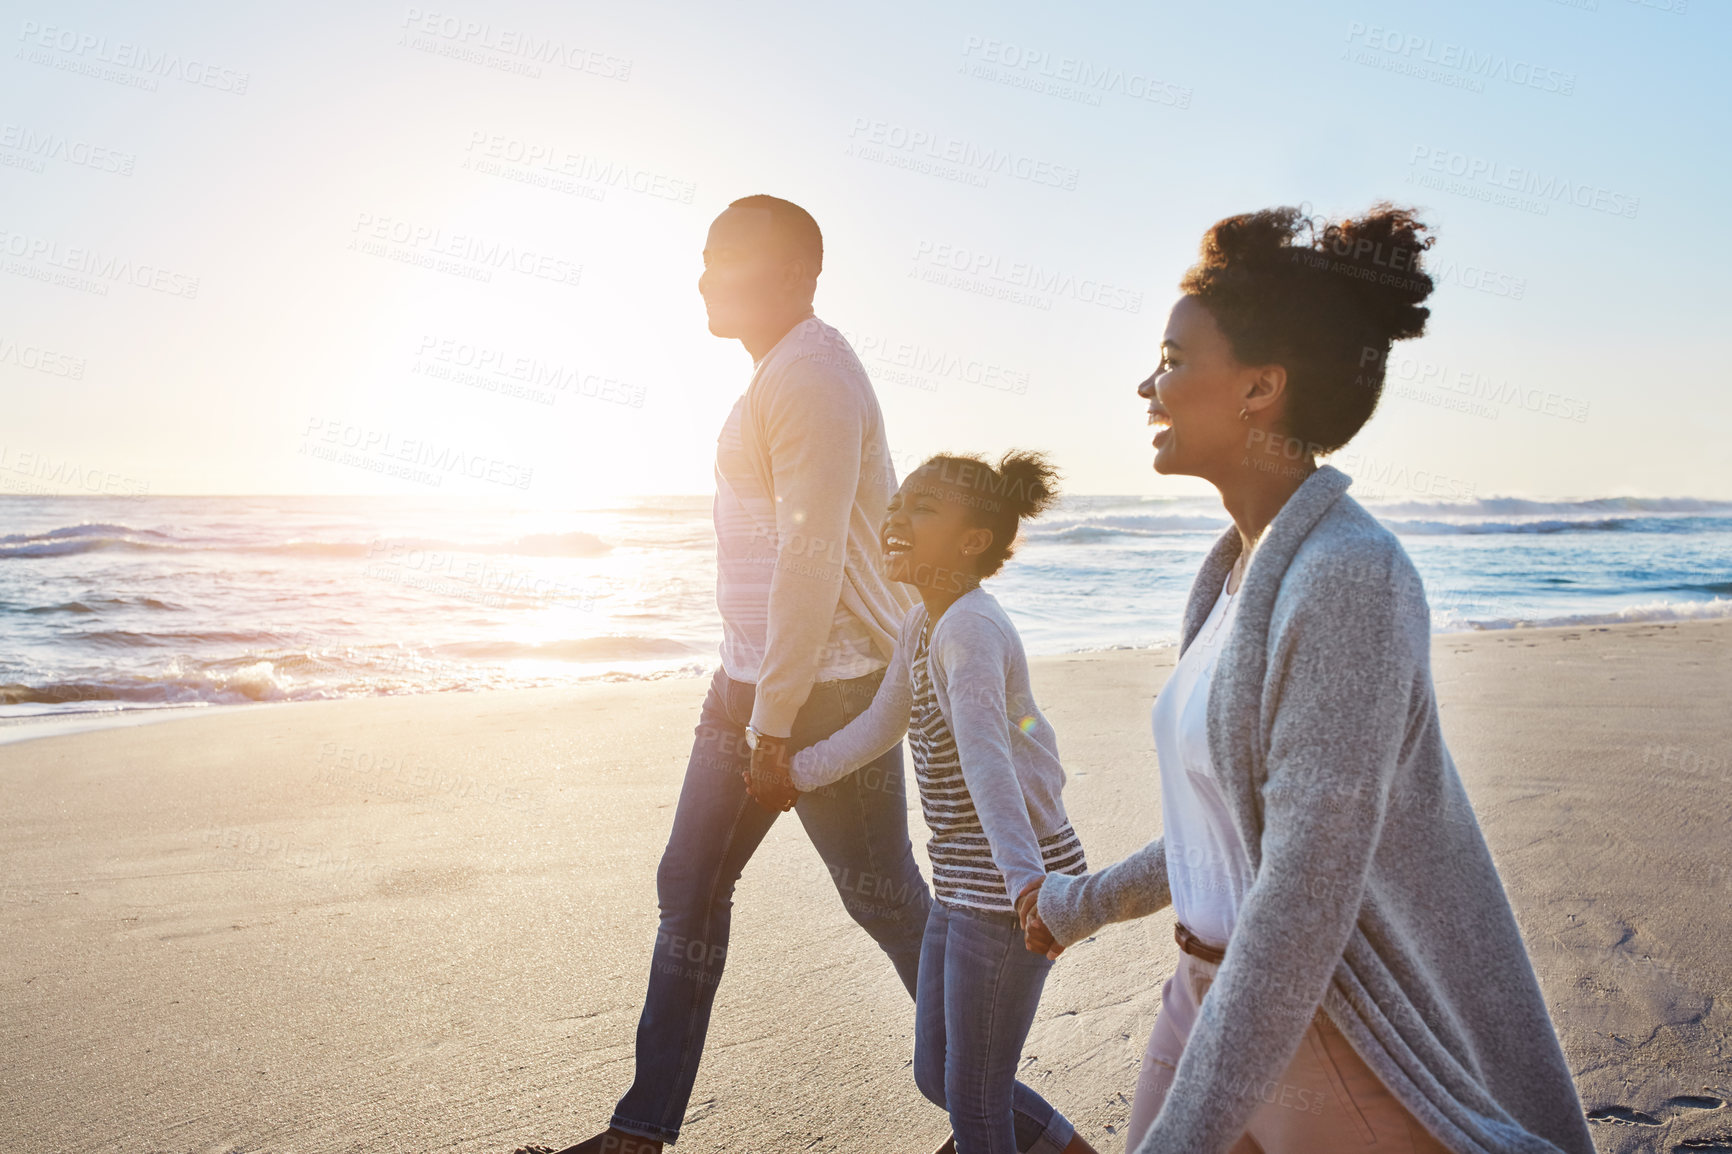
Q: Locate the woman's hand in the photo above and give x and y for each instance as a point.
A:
(1035, 936)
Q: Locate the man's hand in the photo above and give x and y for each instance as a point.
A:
(1035, 936)
(769, 781)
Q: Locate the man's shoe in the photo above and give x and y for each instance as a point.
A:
(949, 1146)
(612, 1142)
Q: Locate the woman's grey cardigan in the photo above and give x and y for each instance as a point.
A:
(1373, 891)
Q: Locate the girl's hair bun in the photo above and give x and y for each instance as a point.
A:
(1030, 482)
(999, 497)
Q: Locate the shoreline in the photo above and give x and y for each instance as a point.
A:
(66, 722)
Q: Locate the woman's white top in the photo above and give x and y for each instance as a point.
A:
(1207, 867)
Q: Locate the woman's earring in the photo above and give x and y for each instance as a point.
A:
(1245, 414)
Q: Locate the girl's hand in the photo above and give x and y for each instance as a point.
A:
(1035, 936)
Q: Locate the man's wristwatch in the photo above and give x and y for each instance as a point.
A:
(752, 738)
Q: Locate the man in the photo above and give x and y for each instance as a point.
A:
(809, 622)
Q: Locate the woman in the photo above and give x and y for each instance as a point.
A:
(1371, 991)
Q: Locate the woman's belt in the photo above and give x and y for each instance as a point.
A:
(1191, 944)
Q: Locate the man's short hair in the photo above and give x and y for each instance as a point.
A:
(792, 226)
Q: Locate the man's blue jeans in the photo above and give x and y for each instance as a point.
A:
(859, 825)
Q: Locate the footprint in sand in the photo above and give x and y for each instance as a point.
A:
(1679, 1104)
(1622, 1116)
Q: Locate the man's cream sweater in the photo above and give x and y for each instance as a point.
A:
(803, 476)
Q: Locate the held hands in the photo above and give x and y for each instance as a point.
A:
(1035, 936)
(769, 780)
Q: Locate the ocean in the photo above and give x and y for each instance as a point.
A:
(131, 603)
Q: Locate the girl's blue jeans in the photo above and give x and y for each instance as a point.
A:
(978, 990)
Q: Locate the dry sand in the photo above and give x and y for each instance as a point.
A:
(424, 923)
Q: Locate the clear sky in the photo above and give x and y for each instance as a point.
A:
(311, 248)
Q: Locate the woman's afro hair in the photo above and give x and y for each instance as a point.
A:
(1323, 298)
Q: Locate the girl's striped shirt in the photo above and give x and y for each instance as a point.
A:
(963, 872)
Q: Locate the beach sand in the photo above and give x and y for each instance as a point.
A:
(424, 923)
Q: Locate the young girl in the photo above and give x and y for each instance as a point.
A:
(987, 766)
